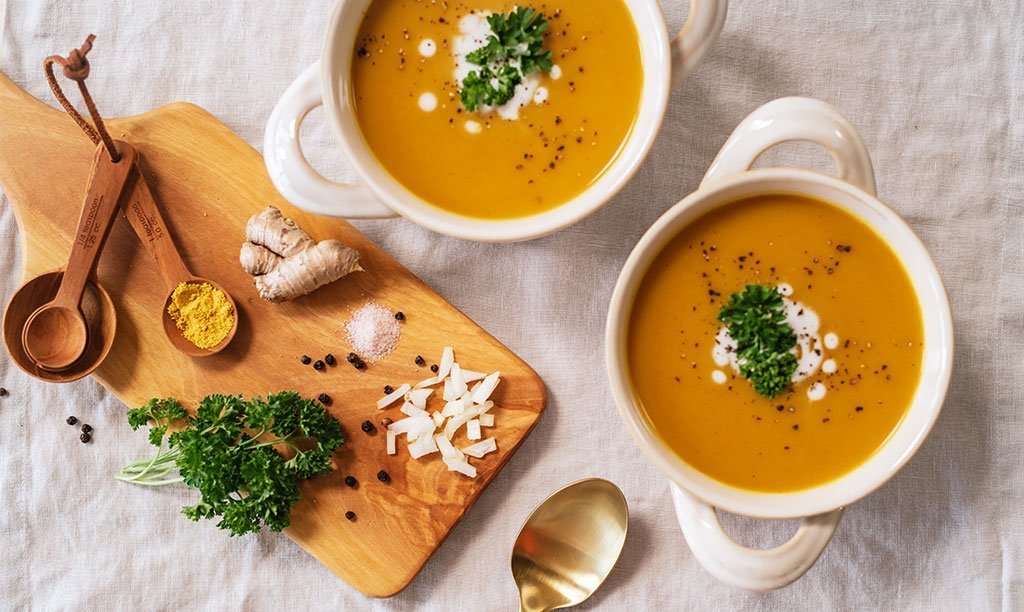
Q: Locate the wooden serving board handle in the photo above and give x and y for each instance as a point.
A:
(208, 183)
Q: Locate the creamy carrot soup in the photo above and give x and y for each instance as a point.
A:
(833, 304)
(422, 104)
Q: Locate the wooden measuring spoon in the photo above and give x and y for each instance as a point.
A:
(144, 216)
(56, 335)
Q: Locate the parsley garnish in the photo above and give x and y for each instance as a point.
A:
(764, 340)
(226, 452)
(514, 50)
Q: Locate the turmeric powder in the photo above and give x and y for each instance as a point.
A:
(202, 312)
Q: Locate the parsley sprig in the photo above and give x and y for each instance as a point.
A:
(756, 320)
(514, 50)
(226, 451)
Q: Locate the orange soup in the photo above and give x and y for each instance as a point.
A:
(533, 153)
(850, 305)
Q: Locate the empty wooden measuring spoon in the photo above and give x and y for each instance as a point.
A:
(144, 216)
(56, 334)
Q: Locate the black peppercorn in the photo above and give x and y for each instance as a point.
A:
(85, 437)
(71, 420)
(351, 481)
(360, 365)
(367, 426)
(87, 428)
(3, 392)
(419, 360)
(383, 476)
(400, 315)
(329, 358)
(305, 359)
(352, 358)
(388, 389)
(350, 515)
(386, 422)
(318, 365)
(434, 368)
(324, 399)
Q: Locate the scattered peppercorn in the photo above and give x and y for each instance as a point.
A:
(85, 437)
(388, 389)
(420, 360)
(360, 365)
(351, 481)
(324, 399)
(71, 420)
(352, 358)
(434, 368)
(350, 515)
(318, 365)
(3, 392)
(859, 408)
(306, 360)
(383, 476)
(367, 426)
(329, 358)
(86, 428)
(386, 422)
(400, 315)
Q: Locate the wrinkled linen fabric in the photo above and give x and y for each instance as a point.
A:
(936, 88)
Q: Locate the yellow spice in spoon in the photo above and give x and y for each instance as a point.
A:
(202, 312)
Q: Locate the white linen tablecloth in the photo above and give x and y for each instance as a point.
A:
(936, 88)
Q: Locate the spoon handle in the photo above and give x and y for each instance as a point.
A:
(143, 214)
(106, 184)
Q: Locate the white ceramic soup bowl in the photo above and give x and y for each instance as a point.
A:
(696, 495)
(666, 63)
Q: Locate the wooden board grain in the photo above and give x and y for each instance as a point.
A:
(208, 182)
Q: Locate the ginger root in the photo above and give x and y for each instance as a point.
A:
(286, 262)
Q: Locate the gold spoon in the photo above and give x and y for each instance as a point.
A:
(569, 545)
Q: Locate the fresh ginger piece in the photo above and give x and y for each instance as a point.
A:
(286, 262)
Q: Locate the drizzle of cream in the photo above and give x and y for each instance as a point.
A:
(719, 377)
(831, 341)
(829, 366)
(428, 102)
(816, 392)
(428, 47)
(556, 72)
(473, 127)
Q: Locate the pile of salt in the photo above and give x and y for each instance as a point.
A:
(373, 331)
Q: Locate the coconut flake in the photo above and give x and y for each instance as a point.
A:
(454, 408)
(487, 420)
(480, 449)
(418, 397)
(438, 418)
(413, 411)
(473, 429)
(391, 442)
(471, 376)
(447, 450)
(486, 388)
(423, 446)
(392, 397)
(447, 359)
(458, 383)
(461, 466)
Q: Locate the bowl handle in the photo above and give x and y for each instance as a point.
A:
(788, 119)
(292, 175)
(751, 568)
(703, 25)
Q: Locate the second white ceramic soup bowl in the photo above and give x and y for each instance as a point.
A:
(696, 495)
(666, 64)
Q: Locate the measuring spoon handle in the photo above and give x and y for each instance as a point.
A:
(106, 184)
(144, 216)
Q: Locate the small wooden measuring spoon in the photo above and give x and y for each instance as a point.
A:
(56, 334)
(144, 216)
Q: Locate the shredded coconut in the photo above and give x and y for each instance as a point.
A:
(373, 331)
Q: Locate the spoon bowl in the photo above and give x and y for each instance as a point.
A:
(569, 545)
(55, 336)
(180, 342)
(100, 317)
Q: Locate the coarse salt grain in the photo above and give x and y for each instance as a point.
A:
(373, 331)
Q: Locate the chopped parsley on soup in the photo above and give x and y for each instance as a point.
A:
(775, 343)
(493, 109)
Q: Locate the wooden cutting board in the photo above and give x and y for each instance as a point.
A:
(208, 182)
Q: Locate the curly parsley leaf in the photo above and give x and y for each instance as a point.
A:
(756, 320)
(514, 50)
(226, 452)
